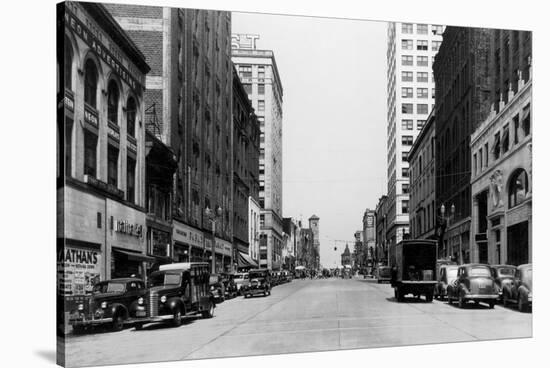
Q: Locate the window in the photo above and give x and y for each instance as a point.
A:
(422, 92)
(68, 72)
(90, 156)
(496, 146)
(407, 140)
(516, 129)
(261, 89)
(406, 28)
(262, 220)
(131, 180)
(261, 105)
(475, 163)
(405, 172)
(435, 45)
(247, 88)
(406, 44)
(245, 71)
(112, 165)
(433, 92)
(406, 92)
(422, 61)
(68, 146)
(90, 83)
(261, 72)
(422, 45)
(422, 77)
(505, 139)
(407, 108)
(112, 102)
(406, 60)
(131, 117)
(405, 206)
(422, 108)
(526, 121)
(486, 154)
(480, 156)
(406, 124)
(437, 29)
(420, 124)
(422, 28)
(405, 188)
(406, 76)
(404, 156)
(518, 189)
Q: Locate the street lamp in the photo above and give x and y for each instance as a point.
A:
(213, 216)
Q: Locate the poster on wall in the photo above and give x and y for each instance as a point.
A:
(78, 270)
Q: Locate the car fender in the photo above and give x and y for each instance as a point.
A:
(117, 308)
(523, 292)
(174, 303)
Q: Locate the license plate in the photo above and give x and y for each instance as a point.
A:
(141, 313)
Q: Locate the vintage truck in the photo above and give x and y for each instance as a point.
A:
(413, 265)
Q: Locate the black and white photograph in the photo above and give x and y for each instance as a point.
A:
(248, 183)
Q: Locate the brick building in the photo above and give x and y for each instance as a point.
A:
(188, 106)
(461, 103)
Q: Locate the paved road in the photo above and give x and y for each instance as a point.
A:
(304, 315)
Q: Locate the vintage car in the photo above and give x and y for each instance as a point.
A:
(241, 279)
(273, 277)
(109, 304)
(474, 282)
(217, 288)
(383, 273)
(447, 274)
(260, 283)
(520, 290)
(230, 287)
(174, 291)
(503, 274)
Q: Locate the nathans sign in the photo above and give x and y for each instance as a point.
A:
(78, 270)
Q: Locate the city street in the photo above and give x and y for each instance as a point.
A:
(301, 316)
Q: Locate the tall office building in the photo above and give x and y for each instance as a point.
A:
(258, 73)
(411, 93)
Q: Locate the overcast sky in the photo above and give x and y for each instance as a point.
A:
(333, 73)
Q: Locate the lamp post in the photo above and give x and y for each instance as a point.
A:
(444, 222)
(213, 216)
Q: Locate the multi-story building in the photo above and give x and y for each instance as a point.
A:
(292, 235)
(101, 229)
(246, 152)
(369, 236)
(359, 255)
(345, 257)
(422, 217)
(305, 249)
(381, 226)
(188, 102)
(254, 231)
(501, 158)
(411, 91)
(463, 95)
(260, 77)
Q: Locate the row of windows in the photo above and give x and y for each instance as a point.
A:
(407, 60)
(407, 108)
(407, 76)
(407, 92)
(245, 71)
(422, 28)
(421, 45)
(248, 88)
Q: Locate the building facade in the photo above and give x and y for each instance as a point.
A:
(369, 237)
(260, 77)
(345, 257)
(101, 229)
(422, 219)
(410, 97)
(501, 158)
(381, 230)
(360, 253)
(462, 78)
(292, 235)
(188, 106)
(254, 230)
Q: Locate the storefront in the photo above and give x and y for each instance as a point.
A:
(224, 252)
(188, 243)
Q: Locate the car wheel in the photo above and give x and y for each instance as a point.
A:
(521, 304)
(176, 320)
(449, 299)
(429, 297)
(505, 302)
(491, 304)
(138, 326)
(118, 323)
(209, 313)
(461, 303)
(269, 292)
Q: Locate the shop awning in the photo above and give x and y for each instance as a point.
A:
(134, 256)
(245, 261)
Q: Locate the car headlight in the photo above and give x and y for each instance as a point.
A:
(211, 287)
(140, 301)
(81, 307)
(104, 305)
(163, 299)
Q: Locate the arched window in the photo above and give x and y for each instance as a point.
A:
(68, 72)
(112, 102)
(90, 83)
(518, 188)
(131, 117)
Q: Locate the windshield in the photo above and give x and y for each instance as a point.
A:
(161, 278)
(480, 271)
(508, 271)
(451, 273)
(109, 287)
(241, 276)
(255, 275)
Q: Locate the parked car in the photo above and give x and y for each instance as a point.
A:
(260, 283)
(241, 279)
(109, 304)
(174, 291)
(503, 274)
(383, 273)
(217, 288)
(474, 282)
(274, 280)
(520, 290)
(447, 274)
(443, 262)
(230, 287)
